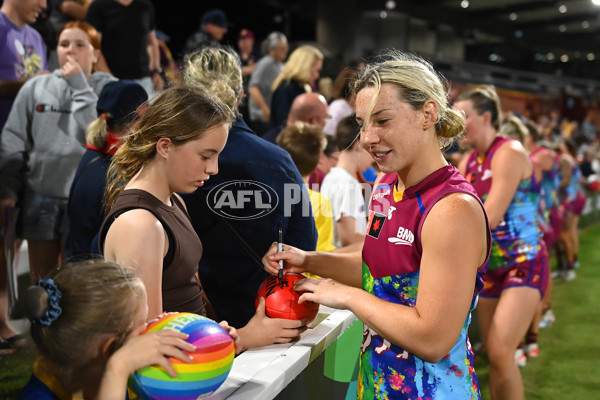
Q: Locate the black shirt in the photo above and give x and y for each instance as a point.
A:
(124, 32)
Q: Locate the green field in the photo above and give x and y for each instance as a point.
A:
(569, 363)
(569, 350)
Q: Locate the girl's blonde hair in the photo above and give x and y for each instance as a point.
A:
(98, 300)
(96, 133)
(181, 114)
(217, 70)
(298, 65)
(417, 82)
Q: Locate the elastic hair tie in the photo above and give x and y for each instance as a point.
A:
(54, 295)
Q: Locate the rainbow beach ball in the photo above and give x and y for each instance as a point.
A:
(212, 361)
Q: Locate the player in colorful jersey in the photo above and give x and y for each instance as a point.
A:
(502, 173)
(545, 158)
(418, 280)
(573, 199)
(542, 162)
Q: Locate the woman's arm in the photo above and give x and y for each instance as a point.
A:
(545, 159)
(73, 9)
(137, 240)
(510, 165)
(343, 266)
(566, 169)
(446, 284)
(154, 54)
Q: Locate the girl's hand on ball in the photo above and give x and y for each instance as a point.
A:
(151, 349)
(234, 335)
(262, 330)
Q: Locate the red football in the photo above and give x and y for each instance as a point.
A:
(281, 300)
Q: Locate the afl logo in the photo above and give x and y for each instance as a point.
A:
(242, 200)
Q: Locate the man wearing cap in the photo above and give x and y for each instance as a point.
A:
(213, 26)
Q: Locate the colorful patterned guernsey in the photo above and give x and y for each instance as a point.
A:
(548, 193)
(569, 192)
(391, 264)
(550, 182)
(517, 238)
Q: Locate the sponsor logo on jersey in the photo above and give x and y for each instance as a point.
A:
(375, 224)
(390, 211)
(487, 174)
(404, 237)
(381, 194)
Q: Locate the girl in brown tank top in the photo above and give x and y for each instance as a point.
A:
(174, 149)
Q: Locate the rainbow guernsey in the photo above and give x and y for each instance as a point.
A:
(391, 260)
(517, 238)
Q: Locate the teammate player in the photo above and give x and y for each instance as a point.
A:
(502, 173)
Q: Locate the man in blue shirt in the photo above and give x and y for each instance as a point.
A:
(257, 187)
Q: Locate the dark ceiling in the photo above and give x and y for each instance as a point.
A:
(520, 33)
(544, 25)
(531, 35)
(559, 37)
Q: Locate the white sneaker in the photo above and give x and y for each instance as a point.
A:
(544, 324)
(532, 350)
(570, 275)
(547, 319)
(520, 357)
(557, 274)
